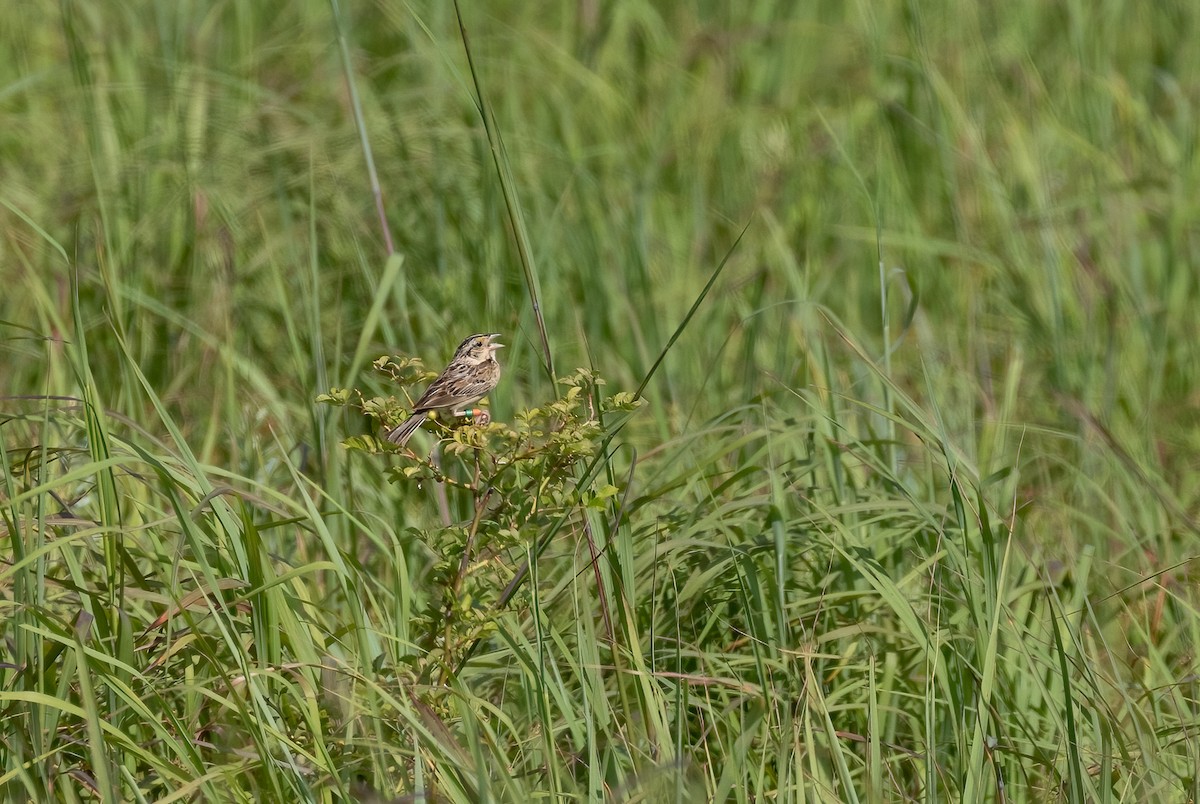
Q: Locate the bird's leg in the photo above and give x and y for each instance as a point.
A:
(477, 415)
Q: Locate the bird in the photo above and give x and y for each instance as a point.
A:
(471, 375)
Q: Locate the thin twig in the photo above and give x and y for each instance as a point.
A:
(595, 562)
(463, 564)
(439, 488)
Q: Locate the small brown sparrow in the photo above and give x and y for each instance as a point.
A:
(470, 376)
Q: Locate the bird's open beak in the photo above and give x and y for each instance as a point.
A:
(494, 346)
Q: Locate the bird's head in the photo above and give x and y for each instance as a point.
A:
(478, 348)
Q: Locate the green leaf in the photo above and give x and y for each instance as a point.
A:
(336, 396)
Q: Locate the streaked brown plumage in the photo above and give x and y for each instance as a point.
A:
(471, 375)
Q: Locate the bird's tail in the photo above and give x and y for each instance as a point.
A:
(401, 433)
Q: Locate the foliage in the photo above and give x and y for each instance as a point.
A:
(909, 512)
(525, 484)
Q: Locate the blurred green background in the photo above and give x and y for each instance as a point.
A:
(913, 506)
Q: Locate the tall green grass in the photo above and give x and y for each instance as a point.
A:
(911, 512)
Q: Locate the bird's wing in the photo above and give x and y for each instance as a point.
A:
(451, 389)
